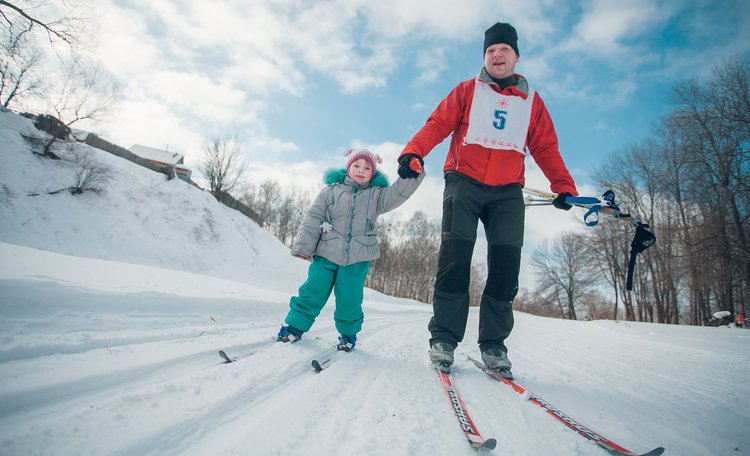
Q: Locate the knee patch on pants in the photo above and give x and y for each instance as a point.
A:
(503, 270)
(454, 266)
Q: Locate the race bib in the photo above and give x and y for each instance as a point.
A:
(498, 121)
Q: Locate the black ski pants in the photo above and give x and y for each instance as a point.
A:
(501, 210)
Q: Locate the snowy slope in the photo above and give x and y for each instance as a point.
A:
(139, 218)
(113, 307)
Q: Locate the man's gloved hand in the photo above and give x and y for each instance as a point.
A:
(410, 166)
(559, 201)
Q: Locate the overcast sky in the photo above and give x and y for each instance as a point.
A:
(298, 82)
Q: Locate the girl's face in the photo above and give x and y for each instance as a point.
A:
(360, 171)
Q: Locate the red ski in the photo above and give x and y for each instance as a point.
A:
(470, 431)
(595, 437)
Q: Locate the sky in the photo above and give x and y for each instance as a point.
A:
(300, 82)
(114, 304)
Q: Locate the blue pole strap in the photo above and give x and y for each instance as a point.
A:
(582, 200)
(594, 204)
(593, 210)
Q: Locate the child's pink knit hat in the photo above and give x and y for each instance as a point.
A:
(355, 154)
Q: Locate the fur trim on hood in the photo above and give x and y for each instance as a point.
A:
(337, 176)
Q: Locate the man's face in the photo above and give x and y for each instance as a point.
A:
(500, 60)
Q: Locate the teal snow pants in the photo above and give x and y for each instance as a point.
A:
(347, 283)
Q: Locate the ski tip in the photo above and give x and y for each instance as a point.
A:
(655, 452)
(316, 365)
(488, 444)
(225, 357)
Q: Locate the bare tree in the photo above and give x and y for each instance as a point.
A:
(19, 62)
(564, 270)
(418, 244)
(64, 24)
(21, 17)
(712, 123)
(286, 214)
(88, 173)
(691, 182)
(408, 258)
(633, 174)
(596, 307)
(608, 252)
(84, 93)
(223, 166)
(263, 199)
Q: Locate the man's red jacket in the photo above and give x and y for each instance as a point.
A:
(492, 166)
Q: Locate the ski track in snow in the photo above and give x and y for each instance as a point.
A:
(164, 390)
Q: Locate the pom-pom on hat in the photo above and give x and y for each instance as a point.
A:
(501, 32)
(356, 154)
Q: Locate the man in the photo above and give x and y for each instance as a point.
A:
(493, 118)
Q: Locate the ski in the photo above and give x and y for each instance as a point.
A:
(231, 359)
(260, 345)
(467, 426)
(603, 442)
(325, 361)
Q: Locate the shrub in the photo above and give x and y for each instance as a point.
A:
(52, 125)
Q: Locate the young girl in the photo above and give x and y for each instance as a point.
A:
(339, 234)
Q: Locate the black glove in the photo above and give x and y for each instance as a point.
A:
(559, 201)
(407, 169)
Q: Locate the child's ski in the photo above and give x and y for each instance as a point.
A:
(325, 361)
(231, 359)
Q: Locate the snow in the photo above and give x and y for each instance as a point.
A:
(113, 306)
(151, 153)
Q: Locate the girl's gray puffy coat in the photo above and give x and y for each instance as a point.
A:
(351, 210)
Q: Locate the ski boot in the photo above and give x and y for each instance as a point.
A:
(289, 334)
(346, 343)
(497, 360)
(441, 355)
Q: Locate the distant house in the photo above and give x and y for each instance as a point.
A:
(160, 157)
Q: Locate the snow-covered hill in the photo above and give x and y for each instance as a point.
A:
(113, 306)
(139, 218)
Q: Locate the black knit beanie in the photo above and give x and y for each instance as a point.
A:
(501, 32)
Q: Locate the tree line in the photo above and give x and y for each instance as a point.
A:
(691, 181)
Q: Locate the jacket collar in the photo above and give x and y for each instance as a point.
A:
(521, 88)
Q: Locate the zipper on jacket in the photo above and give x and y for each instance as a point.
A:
(458, 154)
(355, 189)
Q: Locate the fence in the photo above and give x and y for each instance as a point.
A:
(224, 198)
